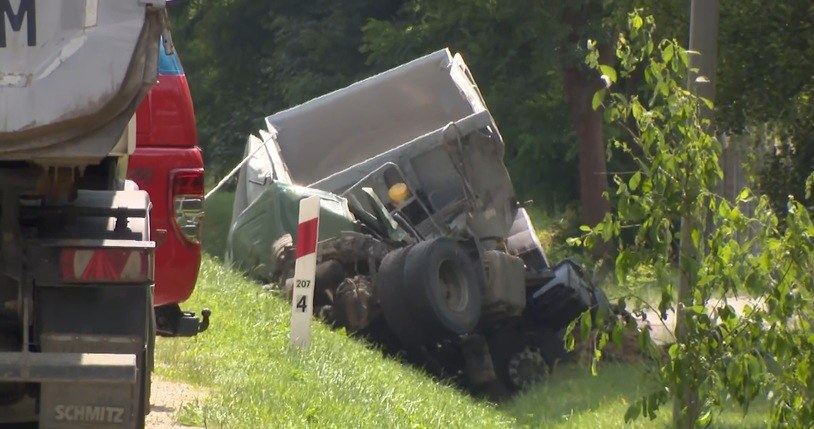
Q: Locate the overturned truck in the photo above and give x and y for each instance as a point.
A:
(424, 246)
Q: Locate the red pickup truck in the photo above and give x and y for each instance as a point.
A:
(167, 163)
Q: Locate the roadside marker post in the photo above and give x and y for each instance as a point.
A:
(302, 302)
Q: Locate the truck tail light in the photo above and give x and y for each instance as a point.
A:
(187, 201)
(105, 265)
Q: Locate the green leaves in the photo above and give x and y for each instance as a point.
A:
(667, 53)
(597, 99)
(646, 407)
(633, 184)
(636, 21)
(704, 419)
(706, 249)
(609, 72)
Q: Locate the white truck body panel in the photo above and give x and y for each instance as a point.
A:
(338, 130)
(71, 75)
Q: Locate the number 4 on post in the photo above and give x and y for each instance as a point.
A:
(302, 302)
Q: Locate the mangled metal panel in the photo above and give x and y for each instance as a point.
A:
(273, 214)
(262, 168)
(456, 171)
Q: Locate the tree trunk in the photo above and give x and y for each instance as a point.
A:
(686, 408)
(703, 39)
(593, 176)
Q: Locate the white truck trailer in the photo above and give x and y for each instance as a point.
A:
(76, 259)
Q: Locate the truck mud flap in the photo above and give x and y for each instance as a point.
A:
(94, 405)
(109, 396)
(77, 375)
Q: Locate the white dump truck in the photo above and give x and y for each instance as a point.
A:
(76, 259)
(424, 246)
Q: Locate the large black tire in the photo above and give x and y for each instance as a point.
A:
(392, 290)
(445, 292)
(329, 275)
(519, 358)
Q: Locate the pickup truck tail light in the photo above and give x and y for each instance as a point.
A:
(105, 265)
(187, 201)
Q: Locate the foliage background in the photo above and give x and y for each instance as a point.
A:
(246, 59)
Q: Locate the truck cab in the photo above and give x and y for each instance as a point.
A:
(167, 163)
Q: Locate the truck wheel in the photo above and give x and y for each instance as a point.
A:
(283, 265)
(329, 275)
(519, 359)
(392, 292)
(444, 291)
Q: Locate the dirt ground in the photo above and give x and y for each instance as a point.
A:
(167, 400)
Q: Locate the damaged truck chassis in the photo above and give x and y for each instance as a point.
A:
(424, 247)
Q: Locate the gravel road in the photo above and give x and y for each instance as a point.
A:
(167, 399)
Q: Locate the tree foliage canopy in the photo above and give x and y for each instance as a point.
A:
(719, 356)
(246, 59)
(766, 88)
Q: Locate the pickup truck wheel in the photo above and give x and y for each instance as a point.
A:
(392, 292)
(445, 293)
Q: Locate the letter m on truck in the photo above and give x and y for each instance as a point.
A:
(25, 11)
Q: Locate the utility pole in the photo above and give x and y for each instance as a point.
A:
(704, 44)
(704, 40)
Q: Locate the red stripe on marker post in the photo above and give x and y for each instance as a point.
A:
(302, 295)
(307, 237)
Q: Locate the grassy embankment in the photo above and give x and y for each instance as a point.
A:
(256, 381)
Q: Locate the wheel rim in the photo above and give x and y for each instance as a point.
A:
(452, 287)
(527, 367)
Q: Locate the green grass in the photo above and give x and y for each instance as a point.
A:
(218, 212)
(256, 381)
(553, 230)
(575, 399)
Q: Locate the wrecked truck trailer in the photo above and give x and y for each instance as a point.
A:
(424, 247)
